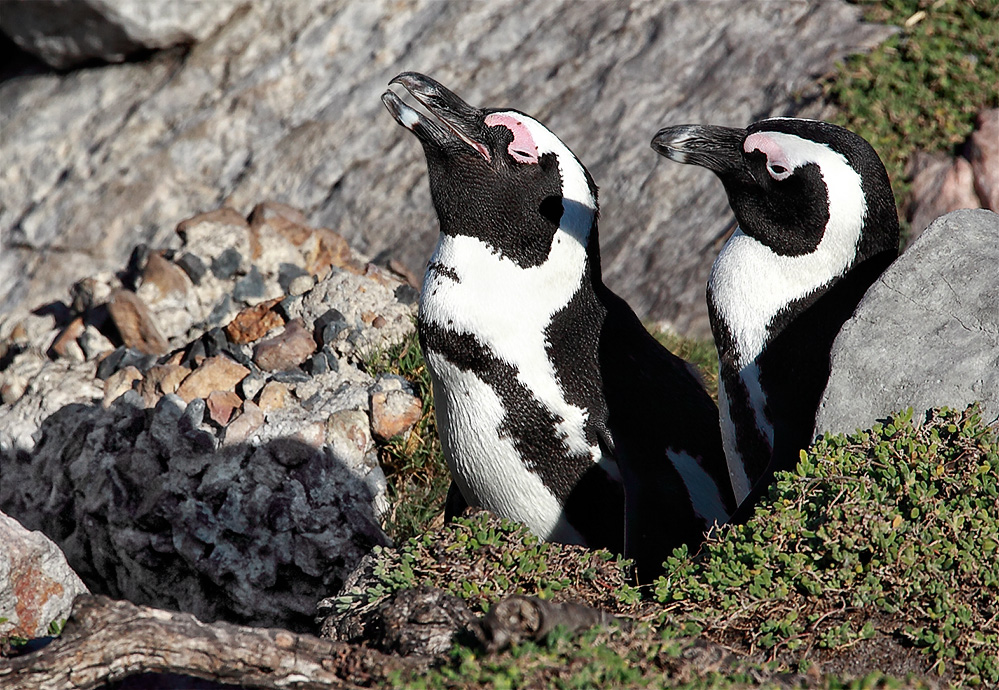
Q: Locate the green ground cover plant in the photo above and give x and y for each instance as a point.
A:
(921, 89)
(874, 564)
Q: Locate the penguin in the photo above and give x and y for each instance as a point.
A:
(555, 406)
(816, 226)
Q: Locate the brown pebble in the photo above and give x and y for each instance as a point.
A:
(221, 405)
(217, 373)
(393, 413)
(287, 350)
(273, 396)
(166, 277)
(61, 345)
(119, 383)
(135, 323)
(241, 428)
(253, 323)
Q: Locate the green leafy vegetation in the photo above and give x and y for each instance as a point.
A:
(921, 89)
(879, 551)
(889, 532)
(418, 477)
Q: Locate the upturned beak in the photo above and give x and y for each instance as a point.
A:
(461, 122)
(716, 148)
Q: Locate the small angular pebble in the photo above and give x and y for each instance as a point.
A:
(94, 343)
(215, 374)
(244, 425)
(222, 311)
(394, 412)
(193, 266)
(253, 323)
(119, 382)
(109, 364)
(251, 385)
(301, 285)
(287, 350)
(63, 345)
(225, 265)
(135, 323)
(273, 396)
(407, 294)
(287, 273)
(221, 405)
(249, 286)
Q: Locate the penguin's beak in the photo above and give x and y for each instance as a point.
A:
(462, 123)
(718, 149)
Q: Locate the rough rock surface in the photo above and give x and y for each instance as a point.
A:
(283, 103)
(37, 586)
(927, 332)
(943, 183)
(65, 34)
(196, 479)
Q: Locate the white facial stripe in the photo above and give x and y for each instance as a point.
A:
(574, 185)
(750, 283)
(704, 494)
(485, 464)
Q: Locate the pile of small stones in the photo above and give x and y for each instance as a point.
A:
(202, 420)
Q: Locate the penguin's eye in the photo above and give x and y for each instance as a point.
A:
(778, 171)
(551, 209)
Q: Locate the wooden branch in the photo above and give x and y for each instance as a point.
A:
(106, 640)
(518, 618)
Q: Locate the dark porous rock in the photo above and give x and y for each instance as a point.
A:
(204, 484)
(244, 533)
(926, 334)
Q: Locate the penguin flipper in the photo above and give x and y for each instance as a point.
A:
(455, 504)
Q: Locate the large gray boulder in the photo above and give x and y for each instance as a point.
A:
(37, 586)
(65, 33)
(926, 334)
(283, 103)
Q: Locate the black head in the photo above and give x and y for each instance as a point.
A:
(497, 175)
(793, 183)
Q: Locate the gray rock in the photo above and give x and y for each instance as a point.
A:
(66, 33)
(283, 103)
(926, 334)
(248, 533)
(37, 586)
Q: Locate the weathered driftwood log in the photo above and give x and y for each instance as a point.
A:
(106, 639)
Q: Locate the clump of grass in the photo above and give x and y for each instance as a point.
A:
(890, 532)
(480, 557)
(414, 465)
(921, 89)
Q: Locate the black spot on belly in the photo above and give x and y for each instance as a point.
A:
(530, 425)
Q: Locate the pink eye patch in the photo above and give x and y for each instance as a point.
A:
(771, 149)
(522, 149)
